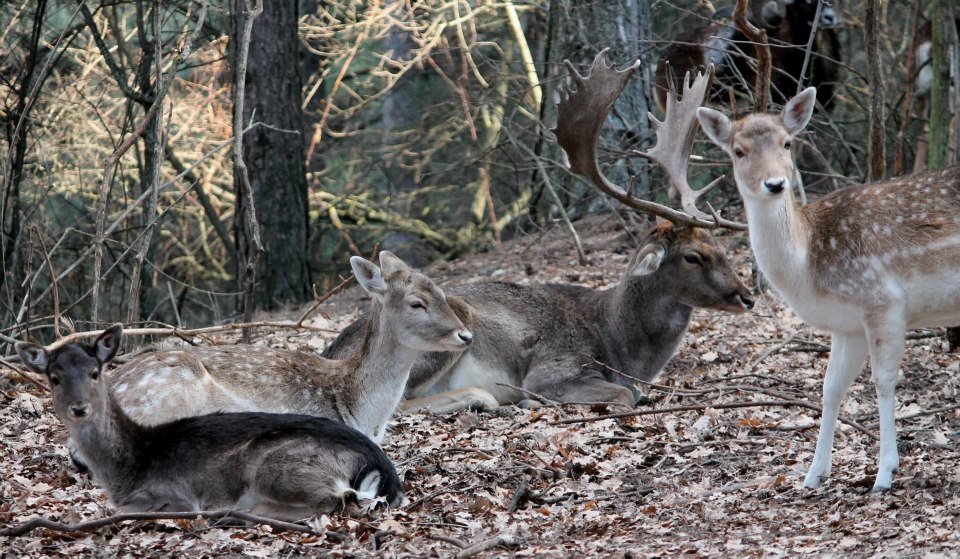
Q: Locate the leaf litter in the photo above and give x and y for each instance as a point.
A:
(709, 483)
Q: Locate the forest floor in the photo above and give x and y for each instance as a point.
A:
(713, 482)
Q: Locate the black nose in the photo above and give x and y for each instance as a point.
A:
(79, 410)
(465, 336)
(775, 186)
(747, 302)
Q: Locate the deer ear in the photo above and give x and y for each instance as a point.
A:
(390, 263)
(108, 343)
(796, 114)
(648, 260)
(716, 126)
(33, 356)
(368, 275)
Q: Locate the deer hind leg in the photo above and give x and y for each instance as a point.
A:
(847, 354)
(886, 354)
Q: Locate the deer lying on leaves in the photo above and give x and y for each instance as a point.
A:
(287, 467)
(866, 263)
(549, 339)
(410, 314)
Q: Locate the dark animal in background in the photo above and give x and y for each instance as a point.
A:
(788, 24)
(282, 466)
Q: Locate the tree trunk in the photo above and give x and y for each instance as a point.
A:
(938, 150)
(11, 263)
(876, 148)
(274, 156)
(623, 26)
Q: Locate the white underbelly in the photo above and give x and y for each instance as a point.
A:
(469, 371)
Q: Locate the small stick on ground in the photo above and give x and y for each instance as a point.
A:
(34, 523)
(485, 545)
(721, 406)
(28, 376)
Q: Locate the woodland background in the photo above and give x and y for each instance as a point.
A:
(420, 126)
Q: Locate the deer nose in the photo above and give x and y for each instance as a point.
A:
(747, 301)
(79, 409)
(465, 336)
(775, 185)
(828, 18)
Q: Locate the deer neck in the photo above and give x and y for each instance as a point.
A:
(383, 368)
(780, 238)
(108, 444)
(642, 326)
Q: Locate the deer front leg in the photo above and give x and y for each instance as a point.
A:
(847, 354)
(886, 353)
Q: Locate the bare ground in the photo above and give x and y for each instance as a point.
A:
(712, 482)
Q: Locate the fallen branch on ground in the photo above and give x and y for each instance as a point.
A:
(721, 406)
(40, 522)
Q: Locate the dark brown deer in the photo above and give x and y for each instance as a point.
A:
(788, 23)
(282, 466)
(559, 340)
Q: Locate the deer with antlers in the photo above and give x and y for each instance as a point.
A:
(866, 263)
(567, 342)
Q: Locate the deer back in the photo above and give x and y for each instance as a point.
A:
(409, 314)
(285, 466)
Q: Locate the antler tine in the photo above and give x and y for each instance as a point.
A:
(580, 116)
(675, 137)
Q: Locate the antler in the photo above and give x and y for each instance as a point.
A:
(580, 115)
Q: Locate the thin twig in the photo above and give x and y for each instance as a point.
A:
(720, 406)
(254, 247)
(53, 281)
(26, 375)
(320, 300)
(34, 523)
(189, 332)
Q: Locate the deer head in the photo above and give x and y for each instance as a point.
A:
(75, 372)
(689, 263)
(411, 305)
(759, 145)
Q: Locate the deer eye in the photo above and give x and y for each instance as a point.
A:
(417, 305)
(739, 153)
(786, 145)
(55, 381)
(693, 259)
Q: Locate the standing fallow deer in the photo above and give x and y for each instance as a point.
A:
(866, 263)
(560, 341)
(410, 314)
(282, 466)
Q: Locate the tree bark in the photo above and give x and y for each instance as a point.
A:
(940, 88)
(876, 145)
(274, 157)
(578, 30)
(11, 264)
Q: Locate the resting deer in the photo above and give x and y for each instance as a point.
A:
(410, 315)
(549, 339)
(866, 263)
(288, 467)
